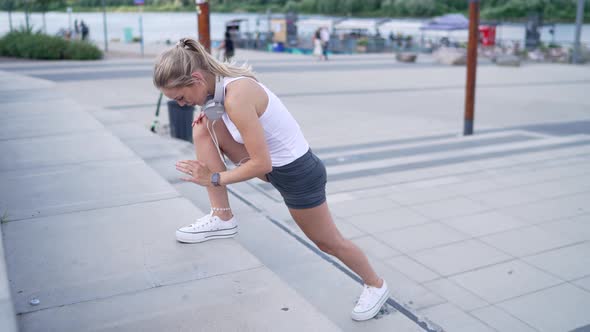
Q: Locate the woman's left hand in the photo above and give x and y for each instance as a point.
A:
(199, 172)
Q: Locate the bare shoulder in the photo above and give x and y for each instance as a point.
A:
(245, 93)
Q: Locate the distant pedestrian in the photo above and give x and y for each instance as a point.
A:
(250, 125)
(317, 45)
(228, 47)
(84, 29)
(325, 37)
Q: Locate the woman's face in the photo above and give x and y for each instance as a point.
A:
(194, 94)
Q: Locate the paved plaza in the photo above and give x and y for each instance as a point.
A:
(489, 232)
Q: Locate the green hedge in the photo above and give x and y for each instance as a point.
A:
(26, 44)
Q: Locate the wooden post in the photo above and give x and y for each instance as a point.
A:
(471, 66)
(203, 24)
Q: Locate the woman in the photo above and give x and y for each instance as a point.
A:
(317, 45)
(258, 129)
(228, 47)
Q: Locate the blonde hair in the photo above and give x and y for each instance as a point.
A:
(174, 67)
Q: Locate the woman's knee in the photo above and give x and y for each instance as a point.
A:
(200, 132)
(331, 247)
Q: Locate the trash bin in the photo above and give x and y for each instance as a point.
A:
(128, 35)
(181, 119)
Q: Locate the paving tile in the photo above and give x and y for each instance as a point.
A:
(568, 263)
(576, 228)
(431, 183)
(352, 184)
(410, 197)
(374, 248)
(421, 237)
(453, 319)
(57, 122)
(39, 152)
(412, 269)
(500, 320)
(374, 192)
(348, 230)
(249, 300)
(551, 209)
(361, 207)
(583, 282)
(394, 218)
(448, 208)
(503, 281)
(459, 257)
(484, 223)
(506, 197)
(561, 187)
(76, 187)
(82, 258)
(405, 290)
(340, 197)
(526, 241)
(455, 294)
(468, 188)
(556, 309)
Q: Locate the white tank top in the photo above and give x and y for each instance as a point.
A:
(284, 138)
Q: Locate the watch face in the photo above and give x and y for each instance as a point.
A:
(215, 179)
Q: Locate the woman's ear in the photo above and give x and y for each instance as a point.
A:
(198, 76)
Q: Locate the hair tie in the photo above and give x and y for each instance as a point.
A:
(182, 43)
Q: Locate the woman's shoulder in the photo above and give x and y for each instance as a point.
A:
(244, 90)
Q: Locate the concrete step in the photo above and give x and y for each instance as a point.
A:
(89, 240)
(395, 160)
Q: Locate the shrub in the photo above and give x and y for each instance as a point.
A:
(35, 45)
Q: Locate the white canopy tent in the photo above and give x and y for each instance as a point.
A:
(310, 25)
(368, 25)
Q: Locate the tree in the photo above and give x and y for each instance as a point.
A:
(43, 5)
(309, 6)
(416, 8)
(328, 6)
(8, 5)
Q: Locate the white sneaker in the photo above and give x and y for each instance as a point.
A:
(207, 228)
(370, 302)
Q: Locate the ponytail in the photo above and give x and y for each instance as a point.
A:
(174, 67)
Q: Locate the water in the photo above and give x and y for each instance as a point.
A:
(158, 27)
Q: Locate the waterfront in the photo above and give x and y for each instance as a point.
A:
(157, 27)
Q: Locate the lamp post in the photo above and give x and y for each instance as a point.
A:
(69, 10)
(27, 15)
(104, 25)
(577, 56)
(471, 66)
(140, 3)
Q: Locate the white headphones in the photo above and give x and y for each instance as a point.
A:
(213, 107)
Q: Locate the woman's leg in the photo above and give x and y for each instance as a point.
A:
(318, 226)
(207, 153)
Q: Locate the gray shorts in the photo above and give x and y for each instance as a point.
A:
(302, 183)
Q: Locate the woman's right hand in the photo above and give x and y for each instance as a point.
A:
(199, 119)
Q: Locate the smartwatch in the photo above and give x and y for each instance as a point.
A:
(215, 179)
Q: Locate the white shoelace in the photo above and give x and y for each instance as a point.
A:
(202, 221)
(364, 295)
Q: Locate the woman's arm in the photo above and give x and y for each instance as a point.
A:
(243, 98)
(242, 101)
